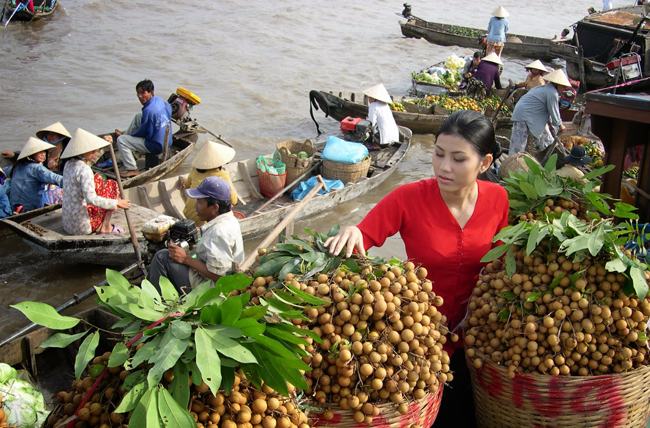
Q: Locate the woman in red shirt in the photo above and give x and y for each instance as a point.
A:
(447, 224)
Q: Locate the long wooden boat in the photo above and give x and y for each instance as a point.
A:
(42, 8)
(469, 37)
(356, 105)
(44, 229)
(165, 196)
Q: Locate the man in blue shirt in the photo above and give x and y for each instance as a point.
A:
(147, 130)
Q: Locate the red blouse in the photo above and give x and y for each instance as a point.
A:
(434, 239)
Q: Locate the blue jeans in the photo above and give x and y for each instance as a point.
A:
(163, 265)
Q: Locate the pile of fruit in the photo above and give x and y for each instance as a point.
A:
(395, 106)
(461, 103)
(382, 333)
(493, 102)
(567, 298)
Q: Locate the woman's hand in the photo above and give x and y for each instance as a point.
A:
(123, 203)
(350, 238)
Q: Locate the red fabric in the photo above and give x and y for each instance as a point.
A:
(107, 189)
(434, 239)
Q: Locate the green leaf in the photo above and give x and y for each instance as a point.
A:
(119, 355)
(230, 348)
(61, 340)
(333, 230)
(149, 297)
(131, 398)
(85, 354)
(249, 326)
(191, 299)
(596, 241)
(228, 378)
(623, 210)
(598, 172)
(532, 239)
(153, 419)
(540, 186)
(272, 267)
(171, 413)
(146, 352)
(237, 281)
(180, 388)
(147, 314)
(169, 353)
(352, 265)
(503, 314)
(616, 265)
(207, 360)
(168, 290)
(639, 282)
(306, 297)
(573, 245)
(598, 201)
(508, 295)
(231, 310)
(138, 418)
(253, 312)
(291, 267)
(132, 379)
(533, 166)
(557, 279)
(45, 315)
(532, 297)
(211, 314)
(529, 190)
(511, 263)
(181, 329)
(275, 346)
(286, 336)
(117, 280)
(551, 163)
(495, 253)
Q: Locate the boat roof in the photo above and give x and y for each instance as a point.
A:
(627, 18)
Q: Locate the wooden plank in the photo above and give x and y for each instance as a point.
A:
(166, 201)
(244, 172)
(616, 155)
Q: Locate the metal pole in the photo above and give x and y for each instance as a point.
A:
(134, 239)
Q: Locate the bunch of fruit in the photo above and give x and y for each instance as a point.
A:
(597, 156)
(492, 102)
(460, 103)
(396, 106)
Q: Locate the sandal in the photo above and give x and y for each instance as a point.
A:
(116, 229)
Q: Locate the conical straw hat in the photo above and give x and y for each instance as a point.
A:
(83, 142)
(558, 77)
(500, 12)
(56, 128)
(213, 155)
(33, 146)
(537, 65)
(492, 57)
(378, 92)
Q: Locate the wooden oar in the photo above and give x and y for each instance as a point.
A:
(280, 226)
(218, 137)
(74, 300)
(288, 186)
(134, 238)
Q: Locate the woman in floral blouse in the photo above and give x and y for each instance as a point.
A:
(84, 211)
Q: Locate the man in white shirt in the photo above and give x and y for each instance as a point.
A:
(380, 114)
(221, 245)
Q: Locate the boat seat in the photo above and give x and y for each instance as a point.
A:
(166, 200)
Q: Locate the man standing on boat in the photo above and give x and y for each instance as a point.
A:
(220, 248)
(534, 110)
(380, 115)
(147, 130)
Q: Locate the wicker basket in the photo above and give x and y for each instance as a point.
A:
(347, 173)
(289, 153)
(421, 413)
(535, 400)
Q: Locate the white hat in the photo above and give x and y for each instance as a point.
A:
(492, 57)
(33, 146)
(56, 128)
(537, 65)
(558, 77)
(83, 142)
(500, 12)
(379, 93)
(213, 155)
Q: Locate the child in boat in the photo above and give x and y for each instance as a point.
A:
(209, 162)
(380, 115)
(29, 176)
(88, 201)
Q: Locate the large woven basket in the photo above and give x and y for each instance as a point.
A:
(535, 400)
(421, 413)
(347, 173)
(289, 153)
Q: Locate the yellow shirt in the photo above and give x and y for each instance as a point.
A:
(194, 179)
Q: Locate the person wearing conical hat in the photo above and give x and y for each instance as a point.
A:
(536, 109)
(380, 114)
(88, 200)
(29, 176)
(209, 162)
(535, 77)
(58, 136)
(497, 30)
(488, 72)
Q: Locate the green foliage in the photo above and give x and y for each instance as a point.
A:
(45, 315)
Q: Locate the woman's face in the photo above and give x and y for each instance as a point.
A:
(39, 157)
(91, 157)
(456, 163)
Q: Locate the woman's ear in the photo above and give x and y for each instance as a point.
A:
(486, 162)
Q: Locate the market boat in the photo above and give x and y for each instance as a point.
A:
(17, 10)
(468, 37)
(165, 196)
(44, 229)
(356, 105)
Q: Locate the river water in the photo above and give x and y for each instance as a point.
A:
(253, 64)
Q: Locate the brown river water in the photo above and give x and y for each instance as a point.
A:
(253, 64)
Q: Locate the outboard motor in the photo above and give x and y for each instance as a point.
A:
(356, 129)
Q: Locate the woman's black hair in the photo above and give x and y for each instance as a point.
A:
(474, 128)
(224, 206)
(202, 171)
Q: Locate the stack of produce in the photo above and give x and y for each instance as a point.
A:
(567, 300)
(462, 103)
(396, 106)
(447, 74)
(208, 358)
(382, 333)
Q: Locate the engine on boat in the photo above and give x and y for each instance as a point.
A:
(159, 232)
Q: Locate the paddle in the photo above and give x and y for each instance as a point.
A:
(74, 300)
(201, 128)
(288, 186)
(280, 226)
(134, 239)
(18, 8)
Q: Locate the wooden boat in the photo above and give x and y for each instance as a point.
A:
(455, 35)
(356, 105)
(42, 8)
(44, 229)
(165, 196)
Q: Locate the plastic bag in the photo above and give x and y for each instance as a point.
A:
(305, 186)
(23, 403)
(338, 150)
(272, 175)
(273, 166)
